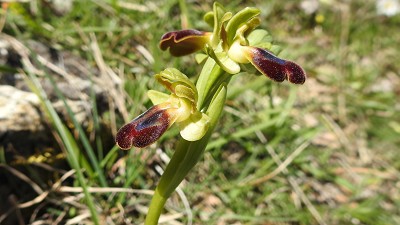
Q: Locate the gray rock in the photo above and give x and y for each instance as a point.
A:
(19, 111)
(24, 127)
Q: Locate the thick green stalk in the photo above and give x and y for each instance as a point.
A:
(188, 153)
(155, 209)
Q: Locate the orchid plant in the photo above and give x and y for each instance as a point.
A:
(196, 108)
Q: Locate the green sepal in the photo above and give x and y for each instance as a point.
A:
(157, 97)
(276, 49)
(209, 18)
(240, 18)
(260, 39)
(220, 17)
(195, 127)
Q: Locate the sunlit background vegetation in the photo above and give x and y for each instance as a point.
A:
(326, 152)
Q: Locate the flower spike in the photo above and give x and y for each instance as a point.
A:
(184, 42)
(196, 108)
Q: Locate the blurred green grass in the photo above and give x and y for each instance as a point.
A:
(347, 113)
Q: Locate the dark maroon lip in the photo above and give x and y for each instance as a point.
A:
(144, 129)
(276, 68)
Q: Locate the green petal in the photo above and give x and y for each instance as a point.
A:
(170, 78)
(195, 127)
(245, 29)
(240, 18)
(183, 91)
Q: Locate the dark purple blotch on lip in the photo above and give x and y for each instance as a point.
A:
(184, 42)
(144, 129)
(276, 68)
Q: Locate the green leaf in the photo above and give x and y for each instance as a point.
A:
(216, 106)
(209, 74)
(69, 142)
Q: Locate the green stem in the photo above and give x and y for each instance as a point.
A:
(156, 206)
(187, 154)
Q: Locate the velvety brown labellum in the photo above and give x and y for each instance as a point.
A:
(276, 68)
(184, 42)
(144, 129)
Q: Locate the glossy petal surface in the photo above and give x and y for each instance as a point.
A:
(273, 67)
(184, 42)
(146, 128)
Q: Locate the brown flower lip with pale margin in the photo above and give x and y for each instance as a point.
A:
(185, 42)
(190, 41)
(145, 129)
